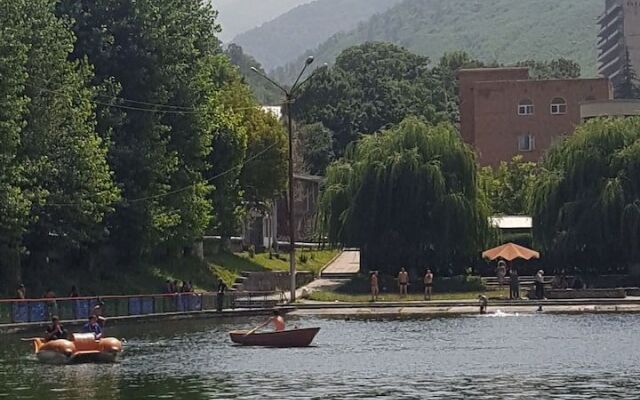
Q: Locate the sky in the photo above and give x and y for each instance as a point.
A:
(237, 16)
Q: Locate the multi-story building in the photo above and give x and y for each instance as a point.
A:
(503, 113)
(619, 36)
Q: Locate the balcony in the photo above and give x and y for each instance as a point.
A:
(609, 14)
(605, 42)
(611, 68)
(608, 54)
(615, 24)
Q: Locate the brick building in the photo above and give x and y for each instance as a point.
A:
(503, 113)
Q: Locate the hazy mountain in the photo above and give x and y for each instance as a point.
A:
(281, 40)
(237, 16)
(506, 31)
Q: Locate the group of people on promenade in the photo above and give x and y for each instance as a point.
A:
(172, 287)
(501, 271)
(403, 284)
(21, 292)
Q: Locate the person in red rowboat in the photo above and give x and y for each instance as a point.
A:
(276, 320)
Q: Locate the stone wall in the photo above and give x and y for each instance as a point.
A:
(271, 281)
(586, 294)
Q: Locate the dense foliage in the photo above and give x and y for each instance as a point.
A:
(305, 27)
(124, 131)
(376, 85)
(409, 197)
(586, 205)
(509, 186)
(265, 92)
(500, 31)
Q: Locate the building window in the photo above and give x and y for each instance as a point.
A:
(558, 106)
(525, 107)
(526, 143)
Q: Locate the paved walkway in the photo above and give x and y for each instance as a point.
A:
(347, 263)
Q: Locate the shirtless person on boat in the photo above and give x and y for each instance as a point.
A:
(276, 320)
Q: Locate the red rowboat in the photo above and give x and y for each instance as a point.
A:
(290, 338)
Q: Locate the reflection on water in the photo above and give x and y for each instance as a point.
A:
(515, 357)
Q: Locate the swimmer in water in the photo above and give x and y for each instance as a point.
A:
(483, 303)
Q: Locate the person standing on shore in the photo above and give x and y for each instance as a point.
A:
(514, 284)
(501, 272)
(222, 287)
(403, 281)
(21, 293)
(428, 284)
(539, 283)
(375, 289)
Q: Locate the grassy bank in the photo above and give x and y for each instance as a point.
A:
(364, 298)
(229, 266)
(150, 277)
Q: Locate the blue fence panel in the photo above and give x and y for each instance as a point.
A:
(39, 311)
(82, 308)
(20, 312)
(134, 306)
(147, 305)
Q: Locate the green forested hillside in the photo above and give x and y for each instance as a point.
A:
(283, 39)
(506, 31)
(237, 16)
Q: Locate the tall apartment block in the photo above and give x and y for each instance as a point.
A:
(619, 34)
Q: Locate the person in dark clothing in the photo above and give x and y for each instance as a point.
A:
(514, 284)
(176, 286)
(222, 287)
(74, 292)
(168, 287)
(539, 285)
(55, 331)
(185, 287)
(93, 327)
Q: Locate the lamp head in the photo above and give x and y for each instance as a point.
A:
(309, 60)
(254, 69)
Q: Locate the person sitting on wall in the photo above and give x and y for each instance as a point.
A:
(55, 331)
(93, 327)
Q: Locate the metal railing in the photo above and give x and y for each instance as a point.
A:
(74, 308)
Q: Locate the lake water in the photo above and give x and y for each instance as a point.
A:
(481, 357)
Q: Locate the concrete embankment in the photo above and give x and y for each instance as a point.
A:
(453, 308)
(38, 327)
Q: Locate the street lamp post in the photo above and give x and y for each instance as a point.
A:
(289, 99)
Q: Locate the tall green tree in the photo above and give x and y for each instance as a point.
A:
(371, 86)
(508, 187)
(586, 205)
(64, 156)
(409, 197)
(315, 143)
(629, 86)
(154, 55)
(14, 202)
(264, 91)
(560, 68)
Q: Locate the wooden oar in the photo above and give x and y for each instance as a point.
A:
(253, 330)
(30, 339)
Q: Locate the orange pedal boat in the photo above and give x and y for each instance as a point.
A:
(290, 338)
(83, 348)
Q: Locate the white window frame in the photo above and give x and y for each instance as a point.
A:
(525, 107)
(526, 139)
(558, 108)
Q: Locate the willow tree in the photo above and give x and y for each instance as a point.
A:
(586, 205)
(407, 197)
